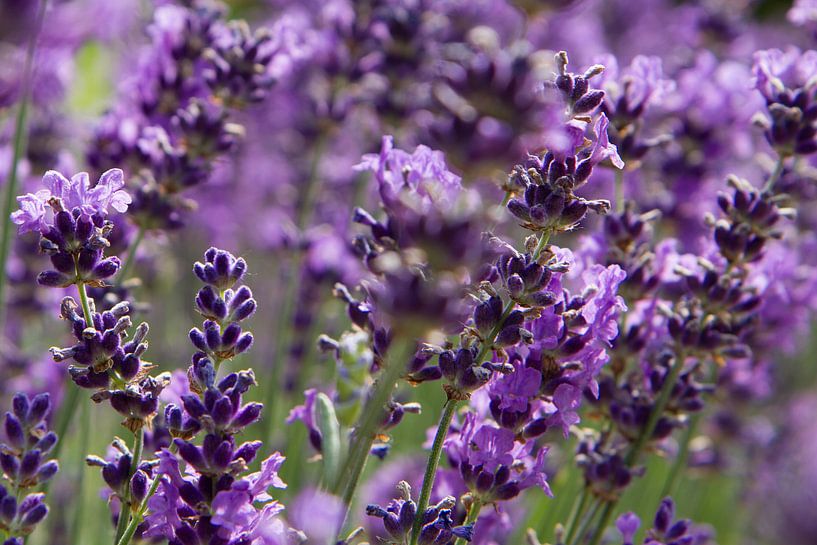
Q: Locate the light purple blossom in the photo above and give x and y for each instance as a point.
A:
(163, 517)
(602, 147)
(514, 390)
(628, 524)
(422, 174)
(74, 193)
(776, 70)
(260, 481)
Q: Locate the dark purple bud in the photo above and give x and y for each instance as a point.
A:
(8, 508)
(247, 415)
(509, 336)
(519, 209)
(34, 515)
(223, 455)
(112, 475)
(30, 463)
(20, 405)
(198, 339)
(14, 431)
(212, 334)
(230, 335)
(245, 310)
(244, 343)
(588, 102)
(106, 268)
(447, 364)
(54, 279)
(485, 481)
(48, 470)
(516, 286)
(664, 515)
(247, 451)
(193, 406)
(64, 263)
(507, 491)
(46, 442)
(191, 454)
(426, 374)
(484, 318)
(222, 412)
(10, 465)
(139, 486)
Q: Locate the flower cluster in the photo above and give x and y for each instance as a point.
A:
(71, 217)
(223, 308)
(215, 497)
(23, 459)
(568, 272)
(175, 116)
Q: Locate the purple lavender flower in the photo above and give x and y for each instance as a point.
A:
(23, 458)
(627, 524)
(422, 175)
(74, 194)
(785, 81)
(437, 526)
(484, 456)
(223, 306)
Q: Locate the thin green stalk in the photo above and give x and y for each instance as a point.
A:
(283, 327)
(473, 515)
(619, 190)
(606, 515)
(775, 175)
(643, 438)
(371, 418)
(86, 305)
(680, 462)
(585, 526)
(131, 258)
(449, 408)
(139, 515)
(79, 512)
(576, 514)
(64, 420)
(658, 409)
(451, 405)
(125, 514)
(20, 140)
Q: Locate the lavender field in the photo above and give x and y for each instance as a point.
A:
(408, 272)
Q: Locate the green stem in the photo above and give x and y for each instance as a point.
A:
(451, 406)
(371, 418)
(86, 306)
(20, 137)
(67, 408)
(473, 515)
(283, 327)
(586, 524)
(606, 515)
(643, 438)
(576, 514)
(125, 514)
(658, 409)
(680, 462)
(619, 190)
(449, 409)
(131, 259)
(775, 175)
(543, 242)
(139, 515)
(85, 434)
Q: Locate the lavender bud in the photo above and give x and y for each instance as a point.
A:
(139, 486)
